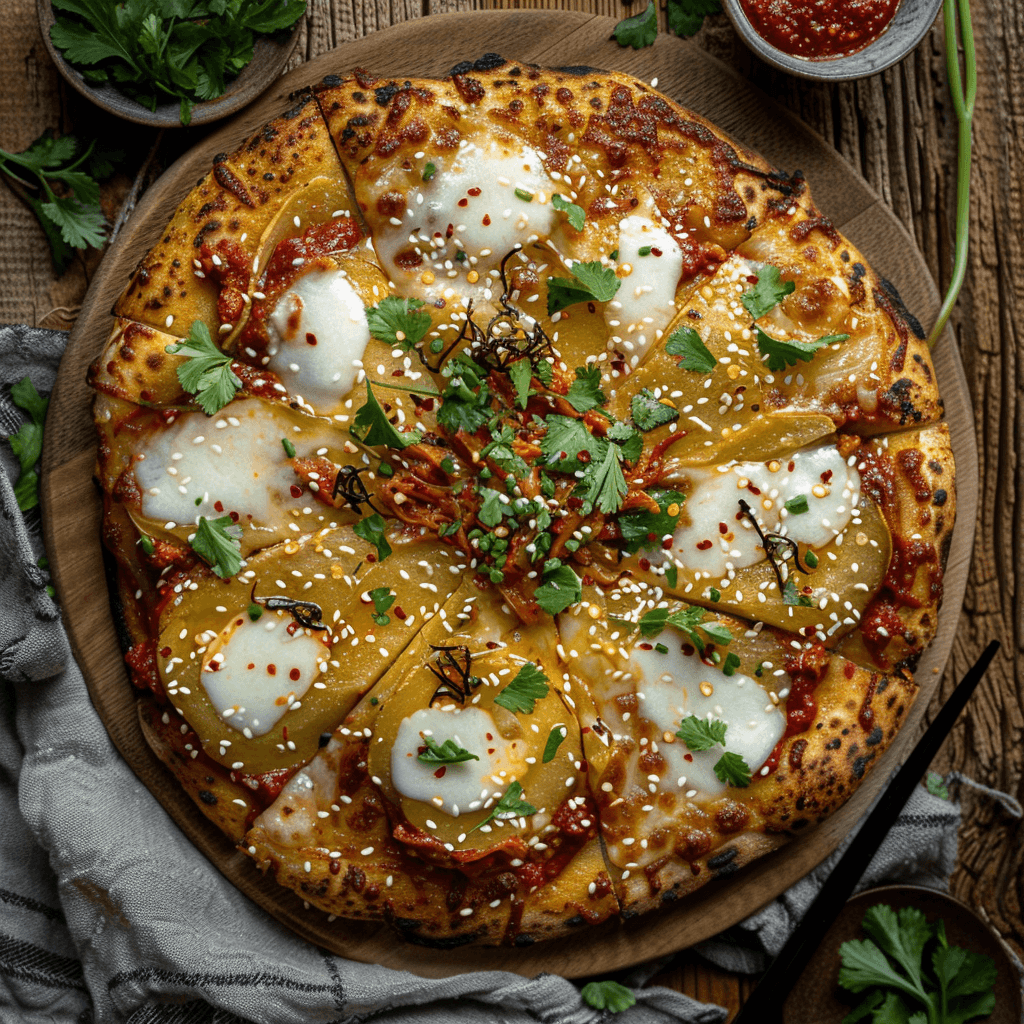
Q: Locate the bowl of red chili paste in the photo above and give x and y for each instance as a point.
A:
(832, 40)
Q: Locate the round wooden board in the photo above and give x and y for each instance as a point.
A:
(71, 506)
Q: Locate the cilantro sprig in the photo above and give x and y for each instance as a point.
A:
(574, 214)
(217, 542)
(688, 621)
(695, 355)
(704, 733)
(902, 983)
(511, 805)
(445, 753)
(560, 587)
(590, 282)
(27, 443)
(61, 186)
(382, 599)
(685, 18)
(767, 293)
(779, 355)
(159, 50)
(372, 529)
(207, 372)
(649, 412)
(401, 323)
(529, 686)
(638, 31)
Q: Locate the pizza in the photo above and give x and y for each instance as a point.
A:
(525, 506)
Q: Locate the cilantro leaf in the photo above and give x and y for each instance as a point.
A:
(560, 587)
(563, 441)
(791, 596)
(27, 442)
(382, 599)
(733, 770)
(573, 214)
(700, 733)
(494, 508)
(555, 737)
(608, 995)
(446, 753)
(371, 426)
(207, 372)
(604, 484)
(686, 342)
(216, 542)
(500, 451)
(649, 412)
(510, 805)
(372, 530)
(639, 528)
(529, 686)
(520, 373)
(630, 443)
(685, 17)
(638, 31)
(465, 401)
(797, 506)
(779, 355)
(585, 391)
(593, 282)
(400, 323)
(769, 291)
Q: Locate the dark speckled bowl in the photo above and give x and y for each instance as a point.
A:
(907, 29)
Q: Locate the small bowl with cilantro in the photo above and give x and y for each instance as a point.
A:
(902, 954)
(170, 62)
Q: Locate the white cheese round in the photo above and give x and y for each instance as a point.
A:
(645, 303)
(460, 787)
(318, 335)
(255, 672)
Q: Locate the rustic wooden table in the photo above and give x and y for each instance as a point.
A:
(898, 130)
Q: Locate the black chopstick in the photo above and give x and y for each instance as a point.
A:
(766, 1001)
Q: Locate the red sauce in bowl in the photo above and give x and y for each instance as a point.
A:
(819, 29)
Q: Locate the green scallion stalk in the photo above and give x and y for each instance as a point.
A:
(963, 104)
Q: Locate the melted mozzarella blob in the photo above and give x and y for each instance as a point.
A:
(470, 206)
(460, 787)
(646, 300)
(254, 672)
(235, 461)
(715, 535)
(673, 686)
(318, 334)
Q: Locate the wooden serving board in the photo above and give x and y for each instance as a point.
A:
(430, 46)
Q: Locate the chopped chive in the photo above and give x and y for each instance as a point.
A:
(289, 448)
(386, 469)
(715, 594)
(811, 559)
(255, 611)
(146, 543)
(429, 171)
(644, 250)
(521, 193)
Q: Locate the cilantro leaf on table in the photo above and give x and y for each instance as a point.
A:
(216, 542)
(371, 426)
(640, 528)
(372, 530)
(608, 995)
(555, 737)
(686, 342)
(445, 753)
(382, 599)
(573, 214)
(779, 355)
(590, 282)
(767, 293)
(71, 217)
(27, 442)
(585, 391)
(529, 686)
(511, 805)
(520, 373)
(649, 412)
(638, 31)
(160, 50)
(701, 733)
(733, 770)
(207, 372)
(401, 323)
(560, 587)
(685, 17)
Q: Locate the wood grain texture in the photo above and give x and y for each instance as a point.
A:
(897, 131)
(71, 517)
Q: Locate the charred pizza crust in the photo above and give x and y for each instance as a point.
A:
(335, 191)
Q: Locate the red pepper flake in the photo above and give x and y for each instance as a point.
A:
(218, 506)
(439, 774)
(473, 191)
(704, 545)
(486, 221)
(310, 338)
(295, 490)
(294, 675)
(399, 614)
(463, 203)
(645, 564)
(272, 670)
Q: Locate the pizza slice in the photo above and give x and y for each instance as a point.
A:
(711, 739)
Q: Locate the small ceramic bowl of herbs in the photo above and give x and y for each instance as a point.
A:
(905, 953)
(170, 62)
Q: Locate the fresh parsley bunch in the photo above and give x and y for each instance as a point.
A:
(154, 51)
(902, 984)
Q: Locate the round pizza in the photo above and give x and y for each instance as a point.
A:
(526, 505)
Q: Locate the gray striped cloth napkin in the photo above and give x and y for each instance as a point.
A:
(109, 914)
